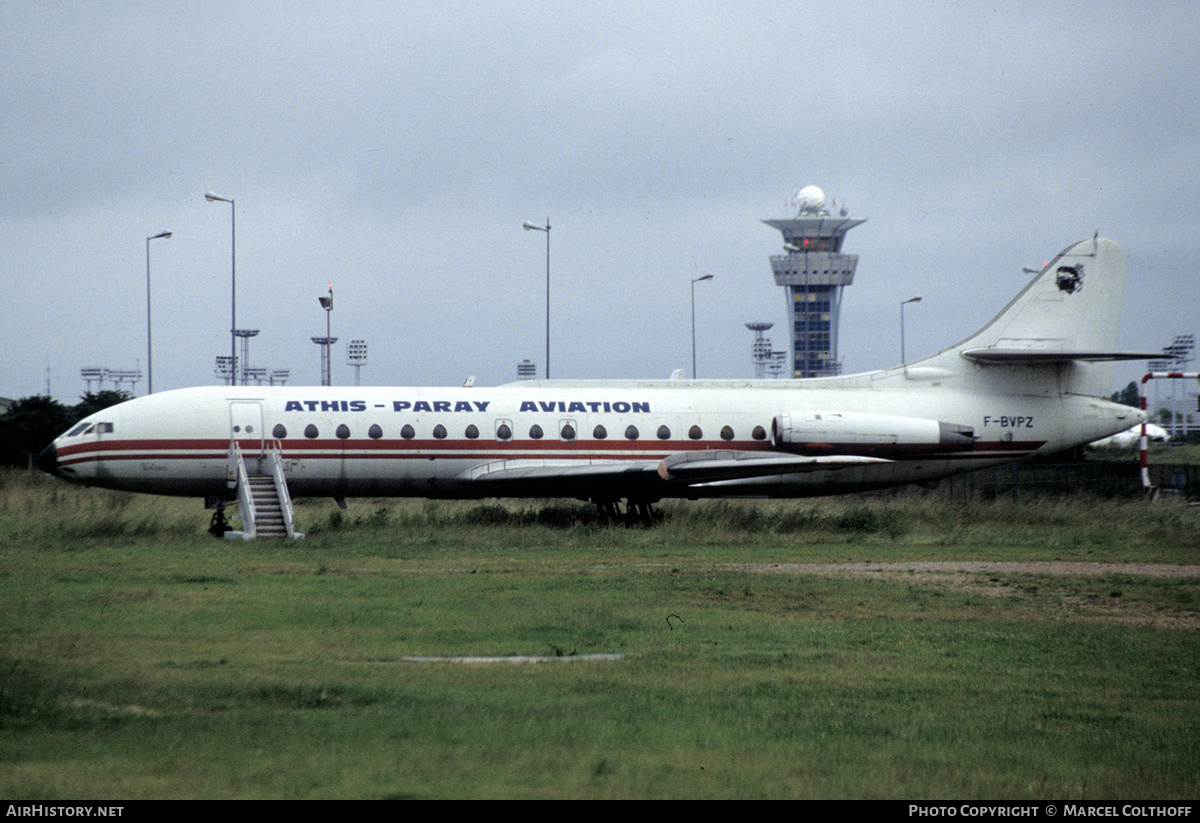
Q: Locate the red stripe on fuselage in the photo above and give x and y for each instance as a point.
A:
(327, 449)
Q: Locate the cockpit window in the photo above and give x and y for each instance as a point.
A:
(90, 428)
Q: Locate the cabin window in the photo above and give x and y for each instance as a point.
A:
(503, 432)
(759, 433)
(407, 432)
(342, 431)
(439, 431)
(663, 433)
(310, 431)
(279, 432)
(694, 433)
(472, 432)
(599, 432)
(631, 433)
(374, 432)
(568, 432)
(535, 431)
(726, 433)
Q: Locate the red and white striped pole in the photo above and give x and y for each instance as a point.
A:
(1142, 441)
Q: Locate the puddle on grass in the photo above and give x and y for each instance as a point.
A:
(515, 658)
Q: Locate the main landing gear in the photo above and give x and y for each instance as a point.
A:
(637, 512)
(219, 525)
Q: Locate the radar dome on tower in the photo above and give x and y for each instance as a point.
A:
(809, 198)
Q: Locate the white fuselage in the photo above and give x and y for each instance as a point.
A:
(451, 442)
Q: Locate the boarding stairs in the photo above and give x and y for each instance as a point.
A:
(263, 499)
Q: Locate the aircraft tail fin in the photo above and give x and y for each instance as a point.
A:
(1068, 313)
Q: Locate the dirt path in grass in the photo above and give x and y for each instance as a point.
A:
(1023, 580)
(923, 569)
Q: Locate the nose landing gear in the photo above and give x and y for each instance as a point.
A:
(637, 512)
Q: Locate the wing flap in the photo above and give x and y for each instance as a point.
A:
(558, 478)
(1031, 355)
(518, 470)
(565, 478)
(710, 466)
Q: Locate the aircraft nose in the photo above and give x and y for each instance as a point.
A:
(48, 460)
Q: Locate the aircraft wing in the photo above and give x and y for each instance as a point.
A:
(557, 478)
(710, 466)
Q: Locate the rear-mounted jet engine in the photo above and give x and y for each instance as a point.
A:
(875, 435)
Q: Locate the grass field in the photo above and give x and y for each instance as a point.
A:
(140, 658)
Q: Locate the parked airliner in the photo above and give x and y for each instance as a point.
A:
(1033, 381)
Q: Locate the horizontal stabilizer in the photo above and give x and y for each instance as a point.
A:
(1031, 355)
(709, 466)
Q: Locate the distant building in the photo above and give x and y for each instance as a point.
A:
(813, 272)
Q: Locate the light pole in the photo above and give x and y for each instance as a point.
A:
(356, 356)
(546, 228)
(902, 304)
(695, 280)
(327, 304)
(149, 356)
(210, 197)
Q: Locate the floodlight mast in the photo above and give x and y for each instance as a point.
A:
(356, 356)
(903, 303)
(695, 280)
(212, 198)
(531, 226)
(327, 304)
(163, 235)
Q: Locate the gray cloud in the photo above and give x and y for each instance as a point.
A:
(394, 149)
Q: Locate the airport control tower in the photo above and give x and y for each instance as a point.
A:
(813, 273)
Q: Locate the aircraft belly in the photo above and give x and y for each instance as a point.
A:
(177, 478)
(379, 477)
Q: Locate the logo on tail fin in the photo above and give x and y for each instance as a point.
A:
(1069, 278)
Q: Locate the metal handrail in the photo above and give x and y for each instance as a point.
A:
(275, 461)
(245, 504)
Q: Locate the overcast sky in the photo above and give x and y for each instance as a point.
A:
(394, 150)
